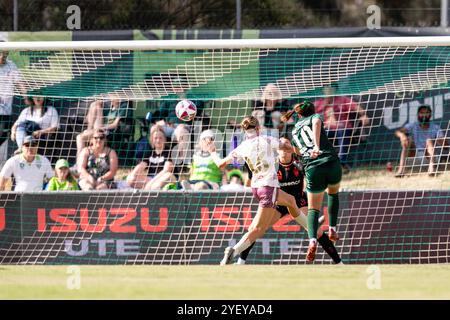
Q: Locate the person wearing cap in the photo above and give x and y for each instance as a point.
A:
(63, 180)
(235, 181)
(420, 137)
(30, 170)
(205, 174)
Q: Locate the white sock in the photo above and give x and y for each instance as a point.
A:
(243, 244)
(240, 261)
(313, 240)
(332, 228)
(302, 220)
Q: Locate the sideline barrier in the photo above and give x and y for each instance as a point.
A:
(194, 227)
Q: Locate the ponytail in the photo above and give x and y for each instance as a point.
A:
(305, 109)
(285, 117)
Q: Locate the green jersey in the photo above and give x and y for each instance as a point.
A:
(55, 185)
(302, 138)
(204, 168)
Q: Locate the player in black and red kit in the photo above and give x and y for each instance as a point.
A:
(291, 178)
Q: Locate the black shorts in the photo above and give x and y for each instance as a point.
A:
(302, 202)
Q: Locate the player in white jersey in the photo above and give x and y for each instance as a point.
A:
(260, 152)
(29, 169)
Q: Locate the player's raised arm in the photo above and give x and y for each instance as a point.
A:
(221, 163)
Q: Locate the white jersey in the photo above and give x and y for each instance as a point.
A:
(261, 155)
(9, 76)
(49, 119)
(28, 176)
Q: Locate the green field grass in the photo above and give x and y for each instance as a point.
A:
(230, 282)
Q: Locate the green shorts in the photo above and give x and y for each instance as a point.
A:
(318, 178)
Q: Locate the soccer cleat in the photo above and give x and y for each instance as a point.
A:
(311, 254)
(227, 256)
(332, 234)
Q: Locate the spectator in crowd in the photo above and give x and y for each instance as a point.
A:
(272, 105)
(157, 169)
(97, 164)
(181, 150)
(236, 181)
(63, 179)
(30, 170)
(420, 137)
(10, 79)
(204, 172)
(104, 115)
(339, 114)
(260, 114)
(38, 120)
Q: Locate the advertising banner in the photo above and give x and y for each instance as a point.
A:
(195, 228)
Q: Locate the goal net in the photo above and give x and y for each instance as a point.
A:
(395, 203)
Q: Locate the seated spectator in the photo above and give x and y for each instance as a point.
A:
(102, 115)
(63, 180)
(11, 81)
(260, 115)
(30, 170)
(97, 164)
(204, 172)
(37, 120)
(420, 137)
(156, 170)
(339, 114)
(271, 101)
(235, 180)
(181, 150)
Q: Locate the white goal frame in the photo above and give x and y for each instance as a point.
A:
(228, 44)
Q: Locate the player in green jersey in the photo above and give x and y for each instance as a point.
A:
(322, 169)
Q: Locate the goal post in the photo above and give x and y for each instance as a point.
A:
(366, 88)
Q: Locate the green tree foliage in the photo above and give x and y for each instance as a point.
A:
(37, 15)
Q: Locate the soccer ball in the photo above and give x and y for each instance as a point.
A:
(186, 110)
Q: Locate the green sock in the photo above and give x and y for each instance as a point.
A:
(333, 208)
(313, 223)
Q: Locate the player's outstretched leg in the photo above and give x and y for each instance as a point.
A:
(313, 225)
(329, 248)
(288, 200)
(314, 205)
(333, 210)
(257, 229)
(244, 254)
